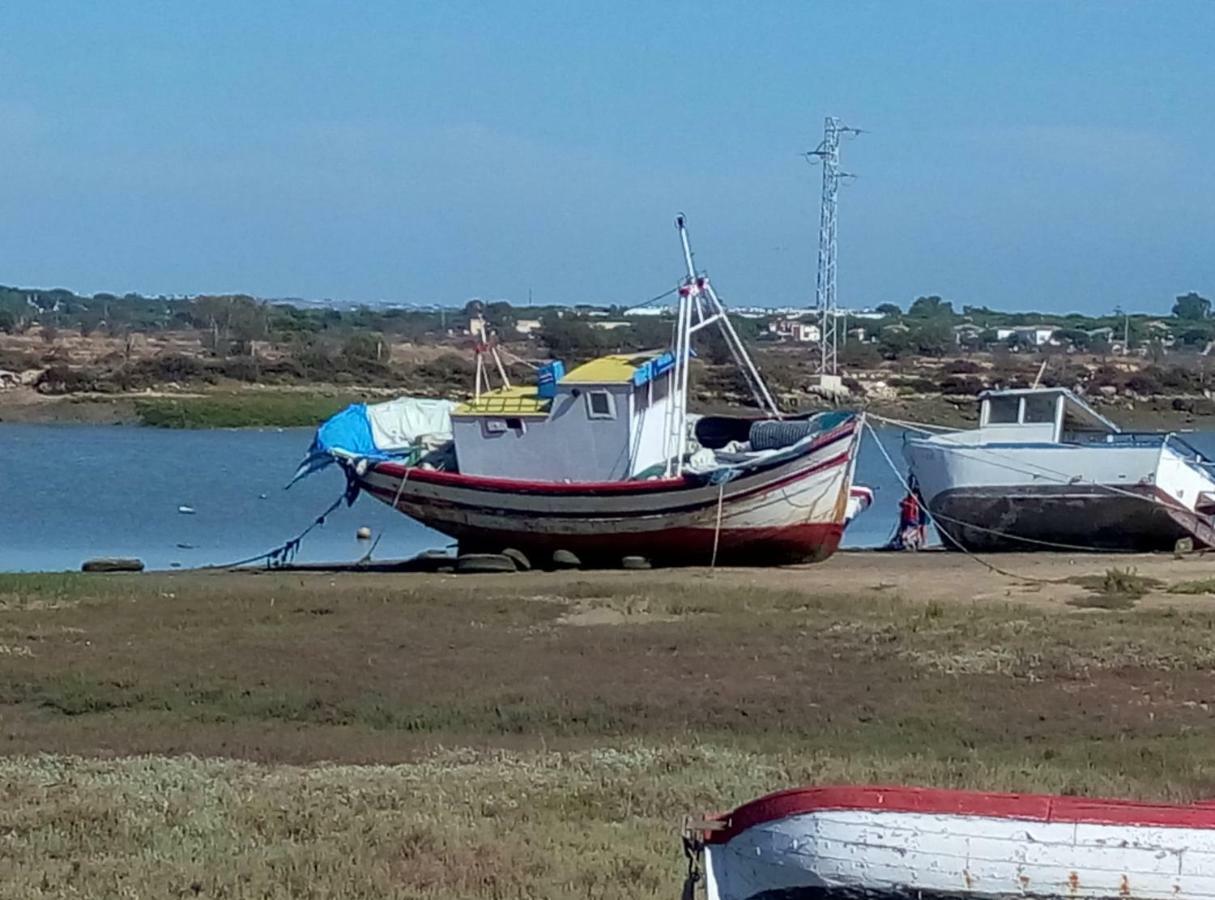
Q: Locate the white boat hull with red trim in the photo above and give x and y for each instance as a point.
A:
(793, 510)
(876, 842)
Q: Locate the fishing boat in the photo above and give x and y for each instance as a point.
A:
(900, 842)
(606, 460)
(1044, 470)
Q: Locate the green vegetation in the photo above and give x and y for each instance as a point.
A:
(284, 735)
(274, 409)
(1116, 589)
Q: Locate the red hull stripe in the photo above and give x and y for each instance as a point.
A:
(520, 486)
(389, 494)
(925, 801)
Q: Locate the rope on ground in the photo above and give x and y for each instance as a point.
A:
(944, 534)
(721, 496)
(285, 553)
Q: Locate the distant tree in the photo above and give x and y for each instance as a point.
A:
(500, 316)
(932, 338)
(1196, 335)
(1074, 336)
(8, 321)
(1192, 306)
(932, 307)
(49, 333)
(888, 309)
(1018, 341)
(569, 338)
(894, 343)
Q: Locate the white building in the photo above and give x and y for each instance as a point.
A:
(788, 329)
(527, 326)
(1037, 335)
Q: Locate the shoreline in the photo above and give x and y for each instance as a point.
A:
(308, 405)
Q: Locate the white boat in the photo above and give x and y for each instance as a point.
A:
(900, 843)
(1044, 470)
(606, 461)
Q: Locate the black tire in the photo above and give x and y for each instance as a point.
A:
(564, 559)
(110, 564)
(484, 564)
(522, 563)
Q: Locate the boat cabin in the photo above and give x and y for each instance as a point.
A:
(605, 420)
(1040, 415)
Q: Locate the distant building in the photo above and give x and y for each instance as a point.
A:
(966, 332)
(609, 324)
(788, 329)
(1036, 335)
(527, 326)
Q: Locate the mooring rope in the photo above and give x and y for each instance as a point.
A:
(721, 495)
(286, 552)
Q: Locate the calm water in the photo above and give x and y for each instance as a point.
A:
(71, 492)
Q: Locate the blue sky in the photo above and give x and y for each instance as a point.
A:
(1019, 154)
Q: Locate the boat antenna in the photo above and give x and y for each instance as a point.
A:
(696, 295)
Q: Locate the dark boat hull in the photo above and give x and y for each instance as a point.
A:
(1042, 517)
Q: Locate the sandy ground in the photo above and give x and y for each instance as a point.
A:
(1041, 579)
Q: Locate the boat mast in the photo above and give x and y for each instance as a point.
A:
(697, 294)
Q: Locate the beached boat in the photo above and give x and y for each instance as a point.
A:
(606, 460)
(899, 842)
(1044, 470)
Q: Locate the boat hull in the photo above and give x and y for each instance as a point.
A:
(911, 843)
(1097, 517)
(792, 511)
(1019, 497)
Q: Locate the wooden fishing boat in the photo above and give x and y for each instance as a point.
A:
(900, 842)
(788, 509)
(606, 461)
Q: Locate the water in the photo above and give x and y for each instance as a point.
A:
(70, 492)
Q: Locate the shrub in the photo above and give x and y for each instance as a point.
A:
(962, 384)
(60, 379)
(1144, 383)
(962, 367)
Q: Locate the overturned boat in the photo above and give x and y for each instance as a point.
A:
(1044, 470)
(605, 460)
(900, 842)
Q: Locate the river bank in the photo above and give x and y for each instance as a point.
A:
(307, 405)
(358, 735)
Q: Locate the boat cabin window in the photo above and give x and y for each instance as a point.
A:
(1003, 410)
(600, 405)
(1040, 408)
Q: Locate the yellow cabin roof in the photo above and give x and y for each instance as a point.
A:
(513, 401)
(618, 368)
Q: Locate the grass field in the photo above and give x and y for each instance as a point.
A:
(287, 735)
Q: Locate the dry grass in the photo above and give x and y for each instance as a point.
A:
(284, 735)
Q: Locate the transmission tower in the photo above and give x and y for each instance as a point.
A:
(829, 153)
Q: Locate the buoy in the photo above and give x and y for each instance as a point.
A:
(363, 534)
(634, 562)
(186, 510)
